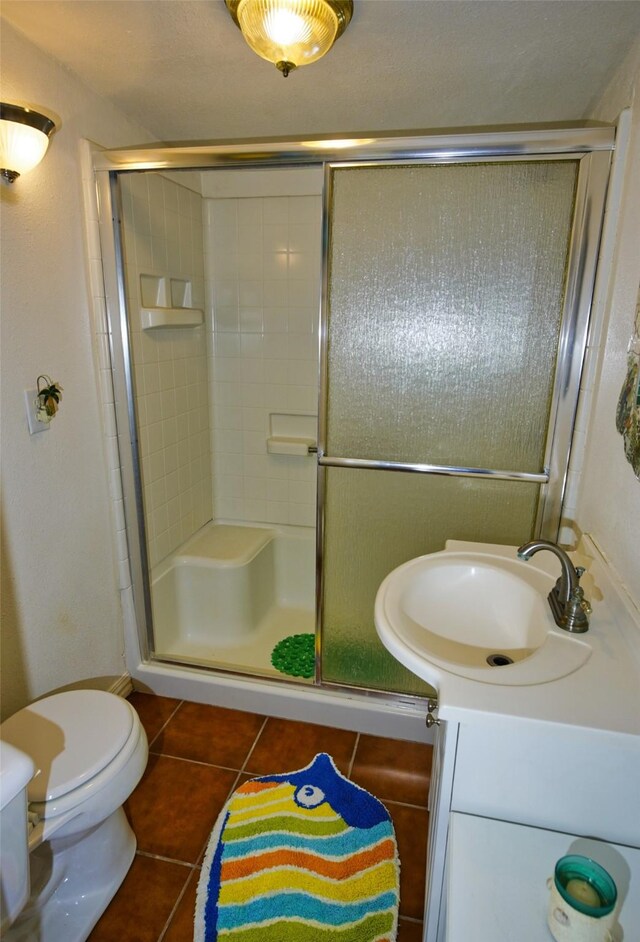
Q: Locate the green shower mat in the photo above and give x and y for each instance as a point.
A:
(295, 655)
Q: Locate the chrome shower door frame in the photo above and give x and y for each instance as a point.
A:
(592, 146)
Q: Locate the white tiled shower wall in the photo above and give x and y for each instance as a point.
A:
(163, 237)
(263, 265)
(204, 395)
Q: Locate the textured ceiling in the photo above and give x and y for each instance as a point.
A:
(181, 69)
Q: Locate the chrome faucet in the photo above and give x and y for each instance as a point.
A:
(569, 607)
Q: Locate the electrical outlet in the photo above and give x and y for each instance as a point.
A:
(35, 425)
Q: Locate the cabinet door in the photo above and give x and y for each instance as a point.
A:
(497, 879)
(444, 754)
(525, 780)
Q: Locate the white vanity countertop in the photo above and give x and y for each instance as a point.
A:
(603, 694)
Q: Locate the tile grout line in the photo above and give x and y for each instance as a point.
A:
(175, 907)
(405, 804)
(164, 725)
(234, 786)
(353, 755)
(251, 750)
(208, 765)
(173, 860)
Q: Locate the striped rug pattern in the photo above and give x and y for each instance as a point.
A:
(307, 856)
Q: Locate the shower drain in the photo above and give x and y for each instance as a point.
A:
(499, 660)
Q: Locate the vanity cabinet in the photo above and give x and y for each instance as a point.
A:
(439, 804)
(519, 780)
(497, 885)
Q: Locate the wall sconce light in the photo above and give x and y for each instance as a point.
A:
(24, 138)
(291, 33)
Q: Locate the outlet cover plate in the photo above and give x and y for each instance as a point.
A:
(35, 425)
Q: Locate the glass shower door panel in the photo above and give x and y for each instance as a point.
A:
(376, 520)
(445, 296)
(445, 299)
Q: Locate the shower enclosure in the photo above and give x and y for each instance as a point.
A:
(329, 362)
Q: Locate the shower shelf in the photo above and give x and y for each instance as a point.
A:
(290, 445)
(291, 434)
(161, 317)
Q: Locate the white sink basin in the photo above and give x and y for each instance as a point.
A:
(478, 615)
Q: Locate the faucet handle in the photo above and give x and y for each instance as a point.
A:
(580, 571)
(578, 611)
(585, 604)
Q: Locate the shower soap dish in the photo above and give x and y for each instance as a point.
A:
(283, 445)
(167, 302)
(154, 317)
(291, 434)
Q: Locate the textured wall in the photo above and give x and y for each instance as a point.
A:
(61, 617)
(609, 495)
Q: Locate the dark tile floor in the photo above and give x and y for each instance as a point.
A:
(198, 755)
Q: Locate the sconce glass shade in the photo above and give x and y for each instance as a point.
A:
(291, 33)
(24, 138)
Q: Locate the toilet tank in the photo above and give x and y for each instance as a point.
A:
(15, 771)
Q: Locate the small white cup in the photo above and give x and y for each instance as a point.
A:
(566, 924)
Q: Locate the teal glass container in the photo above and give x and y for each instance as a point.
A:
(585, 885)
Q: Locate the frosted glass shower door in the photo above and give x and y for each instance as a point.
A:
(445, 298)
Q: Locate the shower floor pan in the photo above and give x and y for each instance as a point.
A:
(231, 592)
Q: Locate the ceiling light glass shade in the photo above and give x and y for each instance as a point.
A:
(291, 33)
(24, 138)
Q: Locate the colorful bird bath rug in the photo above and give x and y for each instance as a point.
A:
(305, 856)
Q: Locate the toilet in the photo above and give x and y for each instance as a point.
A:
(89, 751)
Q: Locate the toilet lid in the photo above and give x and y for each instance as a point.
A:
(70, 736)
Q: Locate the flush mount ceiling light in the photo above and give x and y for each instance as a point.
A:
(291, 33)
(24, 138)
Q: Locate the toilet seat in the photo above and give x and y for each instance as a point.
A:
(71, 801)
(72, 737)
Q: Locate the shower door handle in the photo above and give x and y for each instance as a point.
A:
(368, 464)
